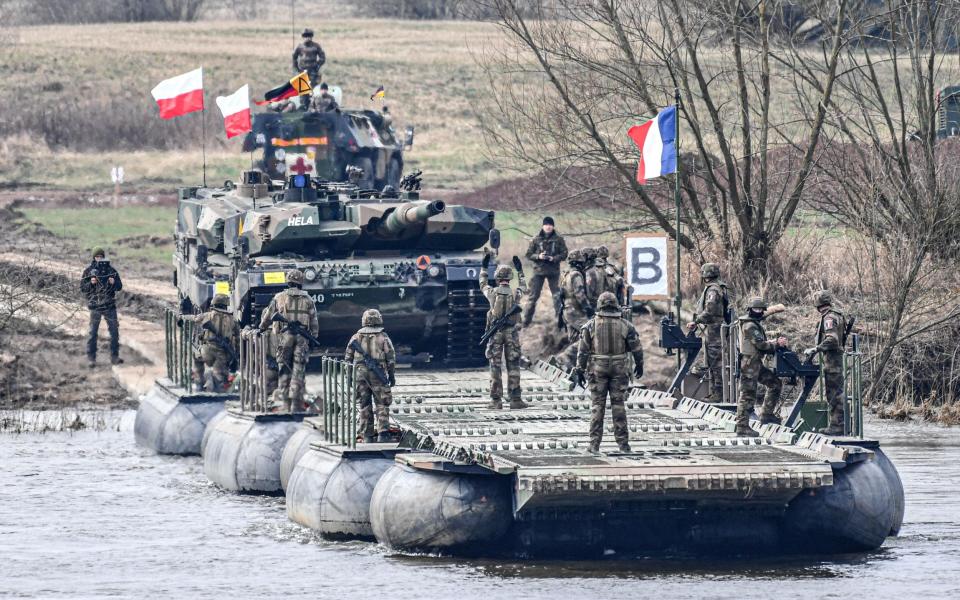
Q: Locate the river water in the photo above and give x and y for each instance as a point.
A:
(90, 515)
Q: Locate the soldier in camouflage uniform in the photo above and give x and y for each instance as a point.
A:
(611, 279)
(753, 346)
(376, 343)
(293, 351)
(576, 307)
(592, 276)
(606, 341)
(504, 345)
(210, 353)
(711, 312)
(547, 250)
(309, 57)
(831, 341)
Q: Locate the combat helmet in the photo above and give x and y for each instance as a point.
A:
(575, 257)
(503, 272)
(709, 271)
(822, 298)
(372, 318)
(607, 305)
(603, 252)
(757, 303)
(294, 276)
(589, 254)
(220, 302)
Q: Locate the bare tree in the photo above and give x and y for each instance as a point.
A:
(574, 75)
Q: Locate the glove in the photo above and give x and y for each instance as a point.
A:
(810, 352)
(517, 264)
(638, 370)
(393, 380)
(579, 378)
(486, 261)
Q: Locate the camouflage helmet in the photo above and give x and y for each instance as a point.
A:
(822, 298)
(603, 252)
(372, 318)
(709, 271)
(575, 256)
(589, 253)
(503, 272)
(295, 276)
(98, 251)
(607, 301)
(220, 301)
(757, 303)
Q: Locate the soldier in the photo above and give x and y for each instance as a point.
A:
(100, 283)
(547, 250)
(293, 350)
(324, 100)
(611, 280)
(375, 345)
(711, 311)
(606, 340)
(309, 57)
(592, 276)
(576, 307)
(831, 341)
(504, 345)
(753, 346)
(218, 342)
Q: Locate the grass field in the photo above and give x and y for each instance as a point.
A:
(427, 69)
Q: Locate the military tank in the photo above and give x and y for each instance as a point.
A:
(331, 144)
(415, 259)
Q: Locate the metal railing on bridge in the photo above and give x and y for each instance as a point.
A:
(338, 404)
(255, 370)
(178, 339)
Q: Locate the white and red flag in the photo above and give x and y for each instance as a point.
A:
(236, 111)
(657, 142)
(180, 95)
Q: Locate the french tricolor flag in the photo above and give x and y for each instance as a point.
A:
(658, 145)
(180, 95)
(236, 111)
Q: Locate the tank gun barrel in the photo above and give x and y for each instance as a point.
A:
(407, 215)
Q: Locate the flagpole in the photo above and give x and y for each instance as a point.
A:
(203, 137)
(676, 199)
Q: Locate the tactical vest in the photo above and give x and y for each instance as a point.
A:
(747, 326)
(370, 342)
(841, 327)
(295, 305)
(724, 302)
(501, 304)
(309, 56)
(567, 284)
(222, 323)
(609, 336)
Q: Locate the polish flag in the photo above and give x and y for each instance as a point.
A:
(236, 111)
(658, 145)
(180, 95)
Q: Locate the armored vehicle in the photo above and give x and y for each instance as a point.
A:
(416, 260)
(328, 144)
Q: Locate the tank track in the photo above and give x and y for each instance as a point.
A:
(466, 322)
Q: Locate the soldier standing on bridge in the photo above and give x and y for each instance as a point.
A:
(547, 250)
(606, 341)
(374, 359)
(831, 340)
(218, 337)
(309, 57)
(100, 283)
(504, 344)
(711, 312)
(753, 346)
(293, 350)
(592, 276)
(576, 307)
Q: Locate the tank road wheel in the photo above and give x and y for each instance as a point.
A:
(363, 162)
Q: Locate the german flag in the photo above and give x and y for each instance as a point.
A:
(380, 93)
(298, 86)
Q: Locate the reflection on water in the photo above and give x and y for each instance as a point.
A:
(90, 514)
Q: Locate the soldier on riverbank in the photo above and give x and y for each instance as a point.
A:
(831, 341)
(293, 350)
(99, 284)
(375, 361)
(504, 344)
(606, 342)
(754, 345)
(547, 250)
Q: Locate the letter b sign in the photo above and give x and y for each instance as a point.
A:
(646, 266)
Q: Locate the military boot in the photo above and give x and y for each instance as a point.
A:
(764, 419)
(745, 431)
(385, 437)
(92, 363)
(625, 448)
(495, 404)
(832, 429)
(518, 404)
(594, 448)
(116, 360)
(369, 438)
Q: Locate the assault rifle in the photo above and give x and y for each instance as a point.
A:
(499, 324)
(371, 363)
(224, 344)
(558, 304)
(297, 328)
